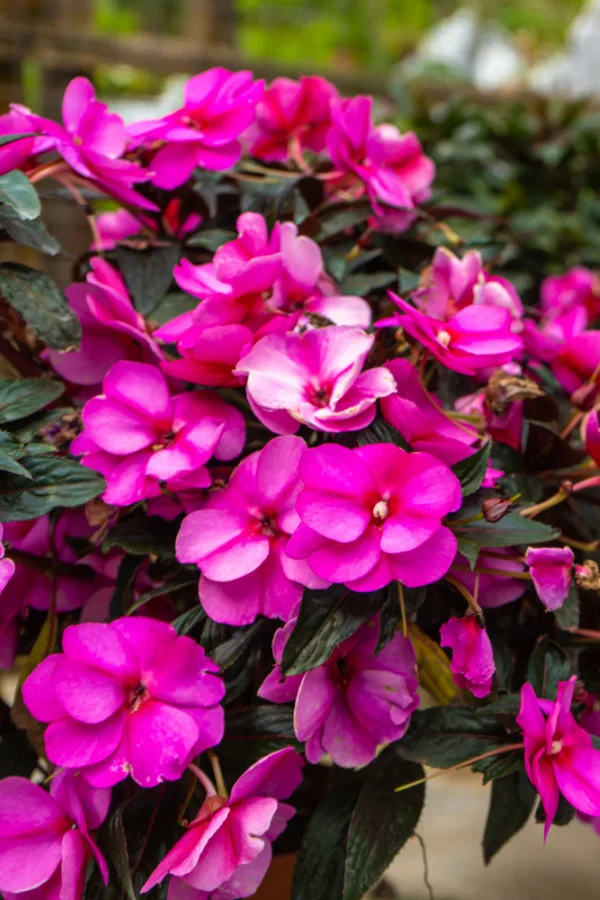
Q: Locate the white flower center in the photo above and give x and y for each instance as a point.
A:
(556, 747)
(444, 337)
(380, 510)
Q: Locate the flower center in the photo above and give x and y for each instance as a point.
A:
(164, 441)
(556, 747)
(380, 511)
(137, 696)
(444, 337)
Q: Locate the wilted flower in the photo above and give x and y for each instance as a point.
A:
(45, 841)
(491, 590)
(137, 435)
(472, 655)
(352, 703)
(550, 570)
(239, 538)
(374, 515)
(127, 698)
(226, 850)
(314, 379)
(559, 756)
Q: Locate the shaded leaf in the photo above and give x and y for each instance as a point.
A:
(117, 847)
(547, 666)
(28, 233)
(211, 238)
(42, 305)
(123, 593)
(17, 192)
(510, 530)
(28, 428)
(381, 432)
(55, 481)
(471, 471)
(141, 534)
(20, 397)
(340, 217)
(8, 463)
(188, 620)
(228, 653)
(11, 138)
(564, 814)
(362, 284)
(511, 803)
(567, 616)
(148, 273)
(255, 731)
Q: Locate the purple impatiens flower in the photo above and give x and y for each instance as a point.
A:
(550, 570)
(472, 655)
(355, 701)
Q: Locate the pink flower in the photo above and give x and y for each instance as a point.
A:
(419, 417)
(227, 849)
(92, 141)
(355, 701)
(127, 698)
(137, 435)
(115, 227)
(591, 435)
(292, 115)
(393, 168)
(111, 328)
(563, 343)
(472, 655)
(7, 566)
(550, 570)
(506, 427)
(239, 538)
(45, 844)
(476, 337)
(450, 284)
(559, 757)
(374, 515)
(218, 106)
(16, 154)
(314, 379)
(577, 287)
(492, 590)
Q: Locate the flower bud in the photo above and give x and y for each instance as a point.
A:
(495, 508)
(503, 389)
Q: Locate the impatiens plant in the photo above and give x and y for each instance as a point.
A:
(298, 494)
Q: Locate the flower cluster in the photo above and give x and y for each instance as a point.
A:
(245, 411)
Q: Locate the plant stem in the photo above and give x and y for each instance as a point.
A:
(473, 604)
(219, 780)
(402, 609)
(531, 511)
(468, 762)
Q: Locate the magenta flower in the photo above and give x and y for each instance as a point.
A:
(218, 106)
(227, 848)
(45, 841)
(127, 698)
(477, 337)
(111, 329)
(472, 655)
(7, 566)
(92, 141)
(393, 168)
(239, 538)
(314, 379)
(292, 116)
(116, 227)
(419, 417)
(591, 435)
(374, 515)
(451, 284)
(137, 435)
(16, 154)
(579, 287)
(492, 590)
(559, 756)
(550, 570)
(355, 701)
(564, 344)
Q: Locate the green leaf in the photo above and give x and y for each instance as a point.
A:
(499, 766)
(8, 463)
(27, 429)
(119, 853)
(20, 397)
(564, 814)
(320, 868)
(362, 284)
(172, 305)
(42, 305)
(28, 233)
(228, 653)
(511, 803)
(381, 432)
(148, 273)
(11, 138)
(444, 736)
(211, 238)
(510, 530)
(122, 596)
(382, 821)
(547, 666)
(468, 548)
(323, 623)
(17, 192)
(141, 534)
(252, 732)
(188, 620)
(339, 218)
(471, 471)
(567, 616)
(55, 481)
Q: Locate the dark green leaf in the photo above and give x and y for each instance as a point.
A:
(255, 731)
(381, 432)
(148, 273)
(119, 852)
(382, 821)
(141, 534)
(27, 429)
(20, 397)
(28, 233)
(172, 305)
(564, 814)
(17, 192)
(547, 666)
(389, 617)
(471, 471)
(468, 548)
(320, 868)
(362, 284)
(123, 593)
(323, 623)
(567, 617)
(228, 653)
(17, 755)
(511, 803)
(339, 218)
(498, 766)
(510, 530)
(210, 238)
(42, 305)
(56, 481)
(188, 620)
(8, 463)
(10, 138)
(175, 586)
(546, 449)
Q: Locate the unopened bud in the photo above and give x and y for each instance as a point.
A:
(566, 487)
(503, 389)
(587, 576)
(495, 508)
(584, 397)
